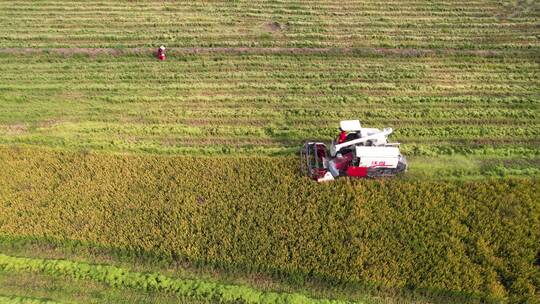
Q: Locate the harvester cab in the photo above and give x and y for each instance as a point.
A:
(357, 152)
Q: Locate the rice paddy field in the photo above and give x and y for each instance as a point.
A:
(124, 179)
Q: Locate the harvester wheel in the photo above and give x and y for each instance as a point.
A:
(402, 165)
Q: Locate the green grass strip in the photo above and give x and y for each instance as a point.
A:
(118, 277)
(5, 299)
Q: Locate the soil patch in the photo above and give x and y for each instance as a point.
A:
(49, 123)
(14, 129)
(272, 26)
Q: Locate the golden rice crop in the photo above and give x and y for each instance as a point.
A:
(258, 213)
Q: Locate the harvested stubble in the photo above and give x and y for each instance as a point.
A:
(476, 24)
(268, 104)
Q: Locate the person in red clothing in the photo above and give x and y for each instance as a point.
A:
(342, 136)
(161, 53)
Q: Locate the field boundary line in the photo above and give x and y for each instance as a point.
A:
(405, 52)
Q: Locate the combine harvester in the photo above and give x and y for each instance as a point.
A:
(358, 152)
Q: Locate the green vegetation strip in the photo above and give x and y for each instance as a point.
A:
(119, 277)
(5, 299)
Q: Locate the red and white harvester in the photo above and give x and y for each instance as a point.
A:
(357, 152)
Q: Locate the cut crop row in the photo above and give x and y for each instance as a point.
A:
(481, 24)
(269, 103)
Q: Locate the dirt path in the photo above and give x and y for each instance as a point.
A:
(406, 52)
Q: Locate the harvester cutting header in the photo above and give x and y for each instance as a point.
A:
(357, 152)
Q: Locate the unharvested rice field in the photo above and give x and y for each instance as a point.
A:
(124, 179)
